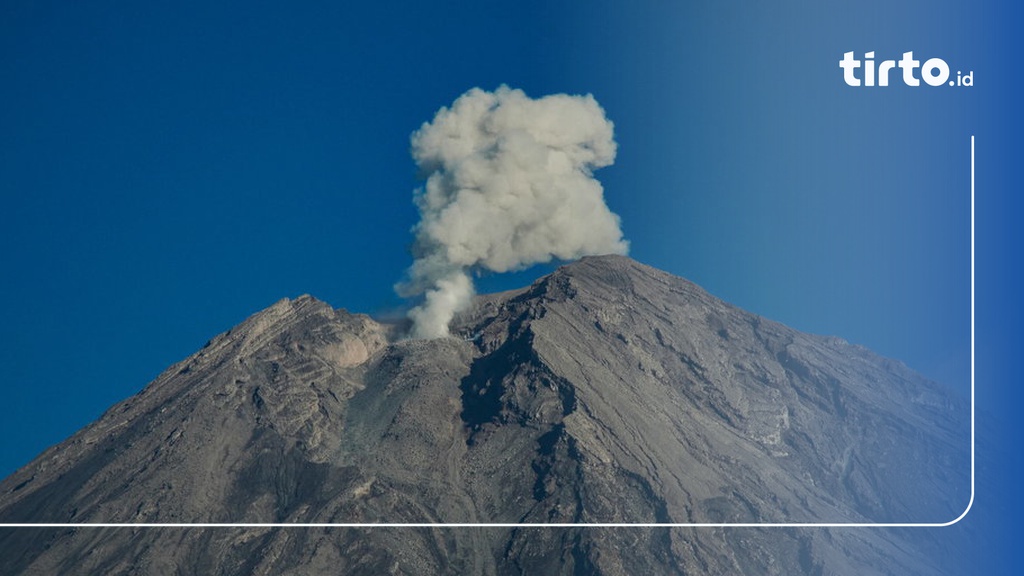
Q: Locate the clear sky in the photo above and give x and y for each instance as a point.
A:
(167, 169)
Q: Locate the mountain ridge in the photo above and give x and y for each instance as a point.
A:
(607, 391)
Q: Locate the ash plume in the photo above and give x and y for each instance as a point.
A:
(509, 184)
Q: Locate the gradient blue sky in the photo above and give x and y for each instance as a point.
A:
(167, 170)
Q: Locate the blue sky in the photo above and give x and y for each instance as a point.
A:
(166, 171)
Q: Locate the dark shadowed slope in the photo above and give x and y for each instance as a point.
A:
(606, 392)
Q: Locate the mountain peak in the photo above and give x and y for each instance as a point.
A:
(608, 391)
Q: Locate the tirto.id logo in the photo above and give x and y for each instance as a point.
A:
(934, 71)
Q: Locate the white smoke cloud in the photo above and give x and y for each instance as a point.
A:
(508, 185)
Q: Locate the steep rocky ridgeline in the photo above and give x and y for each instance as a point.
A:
(607, 391)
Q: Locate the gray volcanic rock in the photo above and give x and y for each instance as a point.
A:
(606, 392)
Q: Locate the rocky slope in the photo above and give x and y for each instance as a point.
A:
(606, 392)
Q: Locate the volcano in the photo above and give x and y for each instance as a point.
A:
(606, 392)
